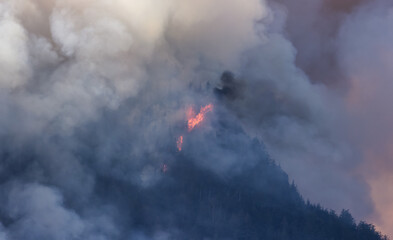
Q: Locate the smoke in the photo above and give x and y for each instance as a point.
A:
(298, 121)
(345, 46)
(312, 27)
(95, 90)
(365, 55)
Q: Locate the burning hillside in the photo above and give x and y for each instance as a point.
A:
(193, 120)
(163, 120)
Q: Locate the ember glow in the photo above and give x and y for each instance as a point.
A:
(116, 93)
(179, 143)
(193, 120)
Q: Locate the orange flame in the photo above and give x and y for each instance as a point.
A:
(179, 143)
(196, 120)
(193, 121)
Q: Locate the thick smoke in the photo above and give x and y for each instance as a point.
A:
(302, 119)
(365, 56)
(312, 27)
(345, 46)
(95, 90)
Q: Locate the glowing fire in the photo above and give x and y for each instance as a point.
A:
(179, 143)
(196, 120)
(193, 120)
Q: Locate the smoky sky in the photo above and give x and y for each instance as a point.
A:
(100, 89)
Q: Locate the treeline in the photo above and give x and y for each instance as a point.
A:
(254, 201)
(192, 203)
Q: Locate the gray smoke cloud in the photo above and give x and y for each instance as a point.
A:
(344, 46)
(94, 90)
(365, 56)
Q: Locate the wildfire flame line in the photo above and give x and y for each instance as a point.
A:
(179, 143)
(195, 121)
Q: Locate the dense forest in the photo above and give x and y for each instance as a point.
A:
(221, 185)
(255, 201)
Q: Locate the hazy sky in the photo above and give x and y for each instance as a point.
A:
(313, 83)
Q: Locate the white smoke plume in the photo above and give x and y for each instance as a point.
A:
(116, 77)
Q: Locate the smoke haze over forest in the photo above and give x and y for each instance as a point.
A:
(95, 93)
